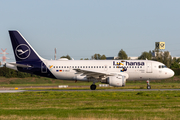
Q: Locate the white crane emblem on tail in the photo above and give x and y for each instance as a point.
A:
(20, 53)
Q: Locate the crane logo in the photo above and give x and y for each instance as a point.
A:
(22, 51)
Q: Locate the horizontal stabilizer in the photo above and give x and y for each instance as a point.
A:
(20, 65)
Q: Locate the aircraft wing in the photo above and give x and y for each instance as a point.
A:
(90, 73)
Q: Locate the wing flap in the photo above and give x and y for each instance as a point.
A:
(90, 73)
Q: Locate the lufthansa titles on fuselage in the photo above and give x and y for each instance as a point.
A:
(126, 63)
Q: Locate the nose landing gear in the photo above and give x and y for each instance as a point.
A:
(148, 84)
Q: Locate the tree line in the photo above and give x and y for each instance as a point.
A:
(9, 73)
(163, 57)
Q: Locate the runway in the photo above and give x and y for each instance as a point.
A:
(108, 90)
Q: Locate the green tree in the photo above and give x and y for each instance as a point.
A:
(84, 59)
(122, 54)
(96, 57)
(174, 60)
(178, 60)
(175, 65)
(167, 59)
(145, 55)
(67, 56)
(159, 56)
(103, 57)
(164, 57)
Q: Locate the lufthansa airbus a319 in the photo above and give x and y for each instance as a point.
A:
(112, 72)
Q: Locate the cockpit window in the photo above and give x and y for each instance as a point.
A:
(162, 66)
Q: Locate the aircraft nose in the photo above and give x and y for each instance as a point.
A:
(171, 72)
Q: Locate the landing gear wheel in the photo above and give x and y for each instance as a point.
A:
(148, 87)
(148, 84)
(93, 87)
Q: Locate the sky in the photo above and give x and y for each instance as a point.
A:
(81, 28)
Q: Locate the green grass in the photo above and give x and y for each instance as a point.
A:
(33, 81)
(171, 83)
(91, 105)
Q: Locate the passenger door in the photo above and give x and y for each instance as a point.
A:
(149, 67)
(43, 68)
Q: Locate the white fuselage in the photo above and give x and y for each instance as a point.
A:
(64, 69)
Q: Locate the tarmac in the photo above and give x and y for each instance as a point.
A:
(122, 90)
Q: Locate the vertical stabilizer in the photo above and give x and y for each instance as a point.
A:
(22, 49)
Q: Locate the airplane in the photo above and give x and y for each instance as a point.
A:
(112, 72)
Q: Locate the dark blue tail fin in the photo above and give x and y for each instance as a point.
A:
(23, 51)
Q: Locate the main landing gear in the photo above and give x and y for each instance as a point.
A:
(93, 87)
(148, 84)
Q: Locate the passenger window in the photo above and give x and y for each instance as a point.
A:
(67, 66)
(102, 67)
(94, 66)
(109, 66)
(91, 66)
(83, 66)
(72, 66)
(62, 66)
(99, 66)
(56, 66)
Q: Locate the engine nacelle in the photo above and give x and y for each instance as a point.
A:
(79, 77)
(117, 80)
